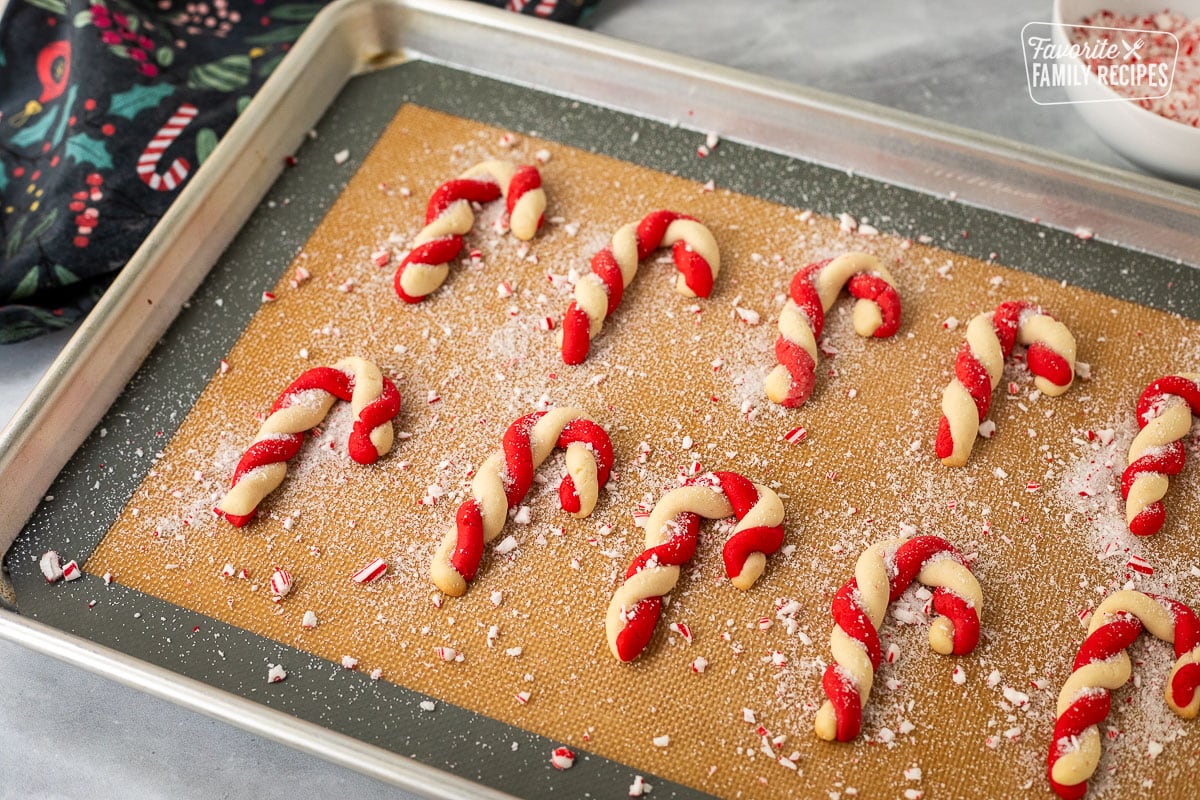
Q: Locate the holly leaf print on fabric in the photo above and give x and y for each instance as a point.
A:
(66, 117)
(64, 276)
(27, 286)
(86, 150)
(36, 131)
(130, 103)
(298, 13)
(53, 6)
(43, 225)
(206, 142)
(227, 75)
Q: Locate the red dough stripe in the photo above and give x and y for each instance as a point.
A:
(592, 435)
(525, 179)
(743, 496)
(864, 286)
(848, 614)
(474, 190)
(468, 551)
(639, 628)
(843, 694)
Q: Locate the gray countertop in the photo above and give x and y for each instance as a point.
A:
(68, 733)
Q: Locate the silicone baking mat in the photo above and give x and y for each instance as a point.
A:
(684, 377)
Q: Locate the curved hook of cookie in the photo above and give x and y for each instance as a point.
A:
(881, 575)
(812, 292)
(1102, 666)
(980, 365)
(374, 402)
(449, 217)
(1164, 414)
(671, 531)
(505, 478)
(598, 294)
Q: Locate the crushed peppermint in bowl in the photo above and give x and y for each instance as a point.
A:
(1142, 94)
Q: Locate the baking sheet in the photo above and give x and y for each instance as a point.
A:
(203, 335)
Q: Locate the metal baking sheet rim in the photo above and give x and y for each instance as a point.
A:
(352, 36)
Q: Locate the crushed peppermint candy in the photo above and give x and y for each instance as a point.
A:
(280, 583)
(371, 572)
(796, 435)
(51, 566)
(562, 758)
(276, 673)
(683, 630)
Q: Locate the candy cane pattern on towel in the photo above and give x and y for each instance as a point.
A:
(449, 216)
(881, 575)
(671, 531)
(980, 364)
(1164, 414)
(813, 291)
(598, 293)
(373, 399)
(148, 160)
(504, 479)
(1102, 666)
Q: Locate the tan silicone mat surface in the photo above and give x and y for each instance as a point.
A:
(668, 370)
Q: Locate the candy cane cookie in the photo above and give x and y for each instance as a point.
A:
(598, 293)
(373, 399)
(1164, 414)
(503, 480)
(1103, 665)
(990, 339)
(449, 216)
(813, 291)
(881, 575)
(671, 533)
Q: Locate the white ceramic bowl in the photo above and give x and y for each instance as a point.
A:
(1160, 145)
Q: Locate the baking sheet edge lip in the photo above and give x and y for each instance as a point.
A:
(338, 748)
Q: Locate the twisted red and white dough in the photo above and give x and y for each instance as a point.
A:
(671, 533)
(598, 293)
(449, 216)
(813, 291)
(980, 364)
(881, 575)
(503, 480)
(1103, 665)
(301, 407)
(1164, 414)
